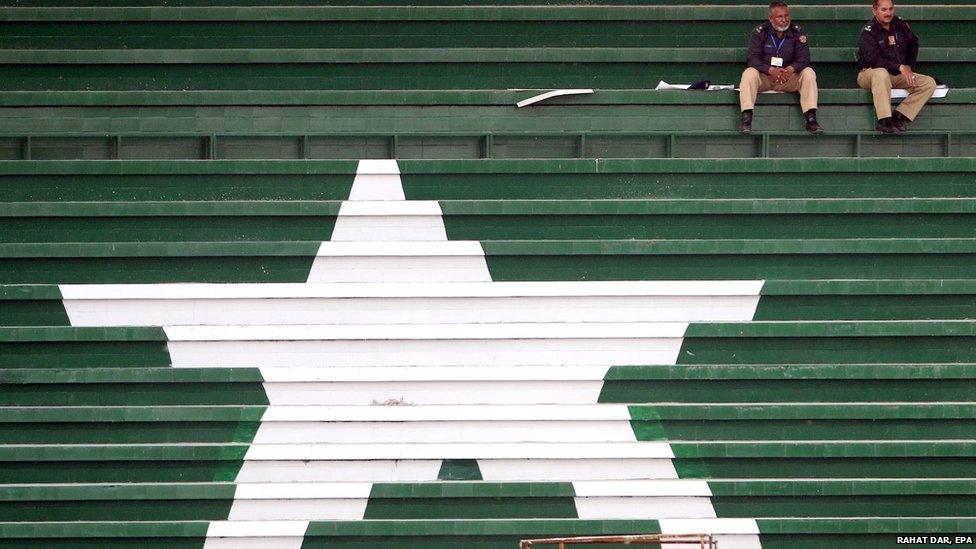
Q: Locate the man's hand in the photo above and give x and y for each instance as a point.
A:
(786, 74)
(907, 71)
(779, 75)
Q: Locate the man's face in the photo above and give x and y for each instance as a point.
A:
(780, 18)
(884, 12)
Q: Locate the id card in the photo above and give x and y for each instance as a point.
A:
(891, 39)
(776, 61)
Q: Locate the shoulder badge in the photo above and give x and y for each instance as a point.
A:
(803, 39)
(796, 27)
(867, 28)
(759, 29)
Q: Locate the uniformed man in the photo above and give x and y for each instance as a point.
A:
(779, 59)
(886, 54)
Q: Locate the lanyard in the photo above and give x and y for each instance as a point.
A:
(780, 44)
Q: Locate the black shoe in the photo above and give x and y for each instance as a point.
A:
(745, 126)
(884, 126)
(812, 125)
(899, 121)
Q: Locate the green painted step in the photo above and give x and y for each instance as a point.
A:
(32, 306)
(160, 262)
(760, 412)
(682, 449)
(289, 208)
(877, 467)
(865, 300)
(805, 429)
(121, 471)
(142, 414)
(190, 393)
(459, 469)
(484, 534)
(132, 432)
(498, 168)
(793, 370)
(823, 449)
(918, 496)
(496, 220)
(804, 421)
(132, 373)
(788, 382)
(778, 135)
(829, 342)
(534, 247)
(490, 527)
(485, 12)
(310, 98)
(482, 26)
(787, 391)
(678, 225)
(918, 505)
(851, 532)
(447, 56)
(289, 261)
(130, 4)
(133, 424)
(168, 221)
(472, 505)
(419, 68)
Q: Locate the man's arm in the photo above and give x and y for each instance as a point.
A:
(911, 53)
(871, 54)
(801, 53)
(754, 58)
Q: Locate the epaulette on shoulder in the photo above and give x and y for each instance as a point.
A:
(796, 27)
(758, 29)
(867, 28)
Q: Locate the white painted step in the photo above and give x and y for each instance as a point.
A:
(400, 261)
(490, 431)
(275, 528)
(392, 220)
(587, 489)
(425, 345)
(607, 508)
(406, 470)
(404, 303)
(521, 450)
(430, 392)
(585, 372)
(366, 470)
(430, 332)
(204, 291)
(453, 414)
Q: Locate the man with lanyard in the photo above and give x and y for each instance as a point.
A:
(779, 59)
(886, 54)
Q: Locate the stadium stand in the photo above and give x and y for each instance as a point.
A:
(304, 276)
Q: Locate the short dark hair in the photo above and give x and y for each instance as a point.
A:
(874, 3)
(782, 5)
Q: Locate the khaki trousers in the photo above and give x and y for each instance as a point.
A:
(754, 82)
(880, 82)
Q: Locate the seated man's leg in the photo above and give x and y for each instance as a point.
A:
(918, 95)
(879, 82)
(750, 85)
(805, 82)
